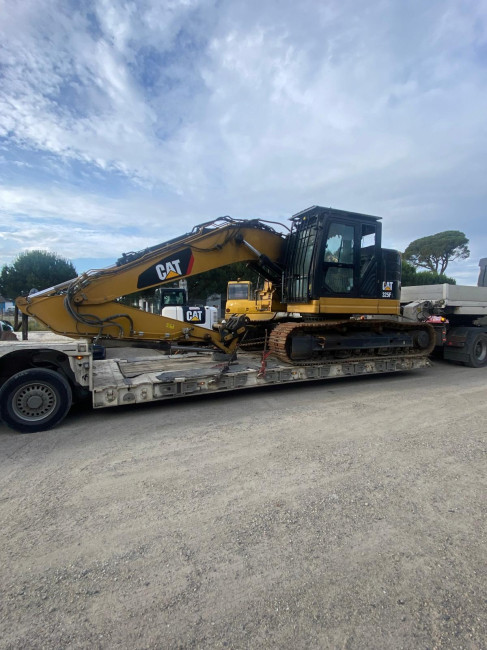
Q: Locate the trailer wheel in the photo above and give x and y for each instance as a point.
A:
(478, 351)
(35, 400)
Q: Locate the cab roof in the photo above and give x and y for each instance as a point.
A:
(318, 210)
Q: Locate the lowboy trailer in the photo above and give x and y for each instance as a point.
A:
(44, 379)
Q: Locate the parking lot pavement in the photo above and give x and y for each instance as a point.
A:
(341, 514)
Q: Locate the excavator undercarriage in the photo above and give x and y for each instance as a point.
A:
(316, 342)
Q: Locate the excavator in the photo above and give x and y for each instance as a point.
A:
(330, 291)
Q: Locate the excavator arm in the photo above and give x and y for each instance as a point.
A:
(88, 306)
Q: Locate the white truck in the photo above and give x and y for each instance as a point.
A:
(459, 316)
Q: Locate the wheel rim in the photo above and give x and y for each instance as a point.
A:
(34, 402)
(480, 350)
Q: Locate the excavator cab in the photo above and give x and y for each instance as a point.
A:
(239, 290)
(260, 303)
(335, 264)
(171, 297)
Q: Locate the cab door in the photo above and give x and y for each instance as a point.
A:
(350, 259)
(338, 260)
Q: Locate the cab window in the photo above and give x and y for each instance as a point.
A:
(368, 261)
(339, 245)
(238, 291)
(338, 258)
(173, 297)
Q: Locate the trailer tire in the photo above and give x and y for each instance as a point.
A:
(477, 351)
(35, 400)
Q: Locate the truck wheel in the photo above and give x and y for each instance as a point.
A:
(35, 400)
(478, 351)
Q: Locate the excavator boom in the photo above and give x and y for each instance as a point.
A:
(88, 306)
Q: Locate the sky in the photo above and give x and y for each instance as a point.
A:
(125, 123)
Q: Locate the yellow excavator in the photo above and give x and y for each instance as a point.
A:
(330, 291)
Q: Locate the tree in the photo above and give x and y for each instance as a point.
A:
(408, 274)
(215, 281)
(34, 270)
(410, 277)
(436, 251)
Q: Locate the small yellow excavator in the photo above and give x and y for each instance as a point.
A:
(330, 291)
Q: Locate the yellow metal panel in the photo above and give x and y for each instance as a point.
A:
(389, 307)
(50, 310)
(347, 306)
(313, 307)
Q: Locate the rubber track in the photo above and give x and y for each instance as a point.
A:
(281, 334)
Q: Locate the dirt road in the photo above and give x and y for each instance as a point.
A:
(346, 514)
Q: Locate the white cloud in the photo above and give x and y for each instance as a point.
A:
(257, 109)
(77, 225)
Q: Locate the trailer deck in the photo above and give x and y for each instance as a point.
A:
(119, 381)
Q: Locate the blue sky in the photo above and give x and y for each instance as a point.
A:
(125, 123)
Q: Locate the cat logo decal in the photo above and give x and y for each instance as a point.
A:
(168, 268)
(193, 315)
(387, 289)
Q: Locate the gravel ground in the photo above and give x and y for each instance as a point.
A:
(342, 514)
